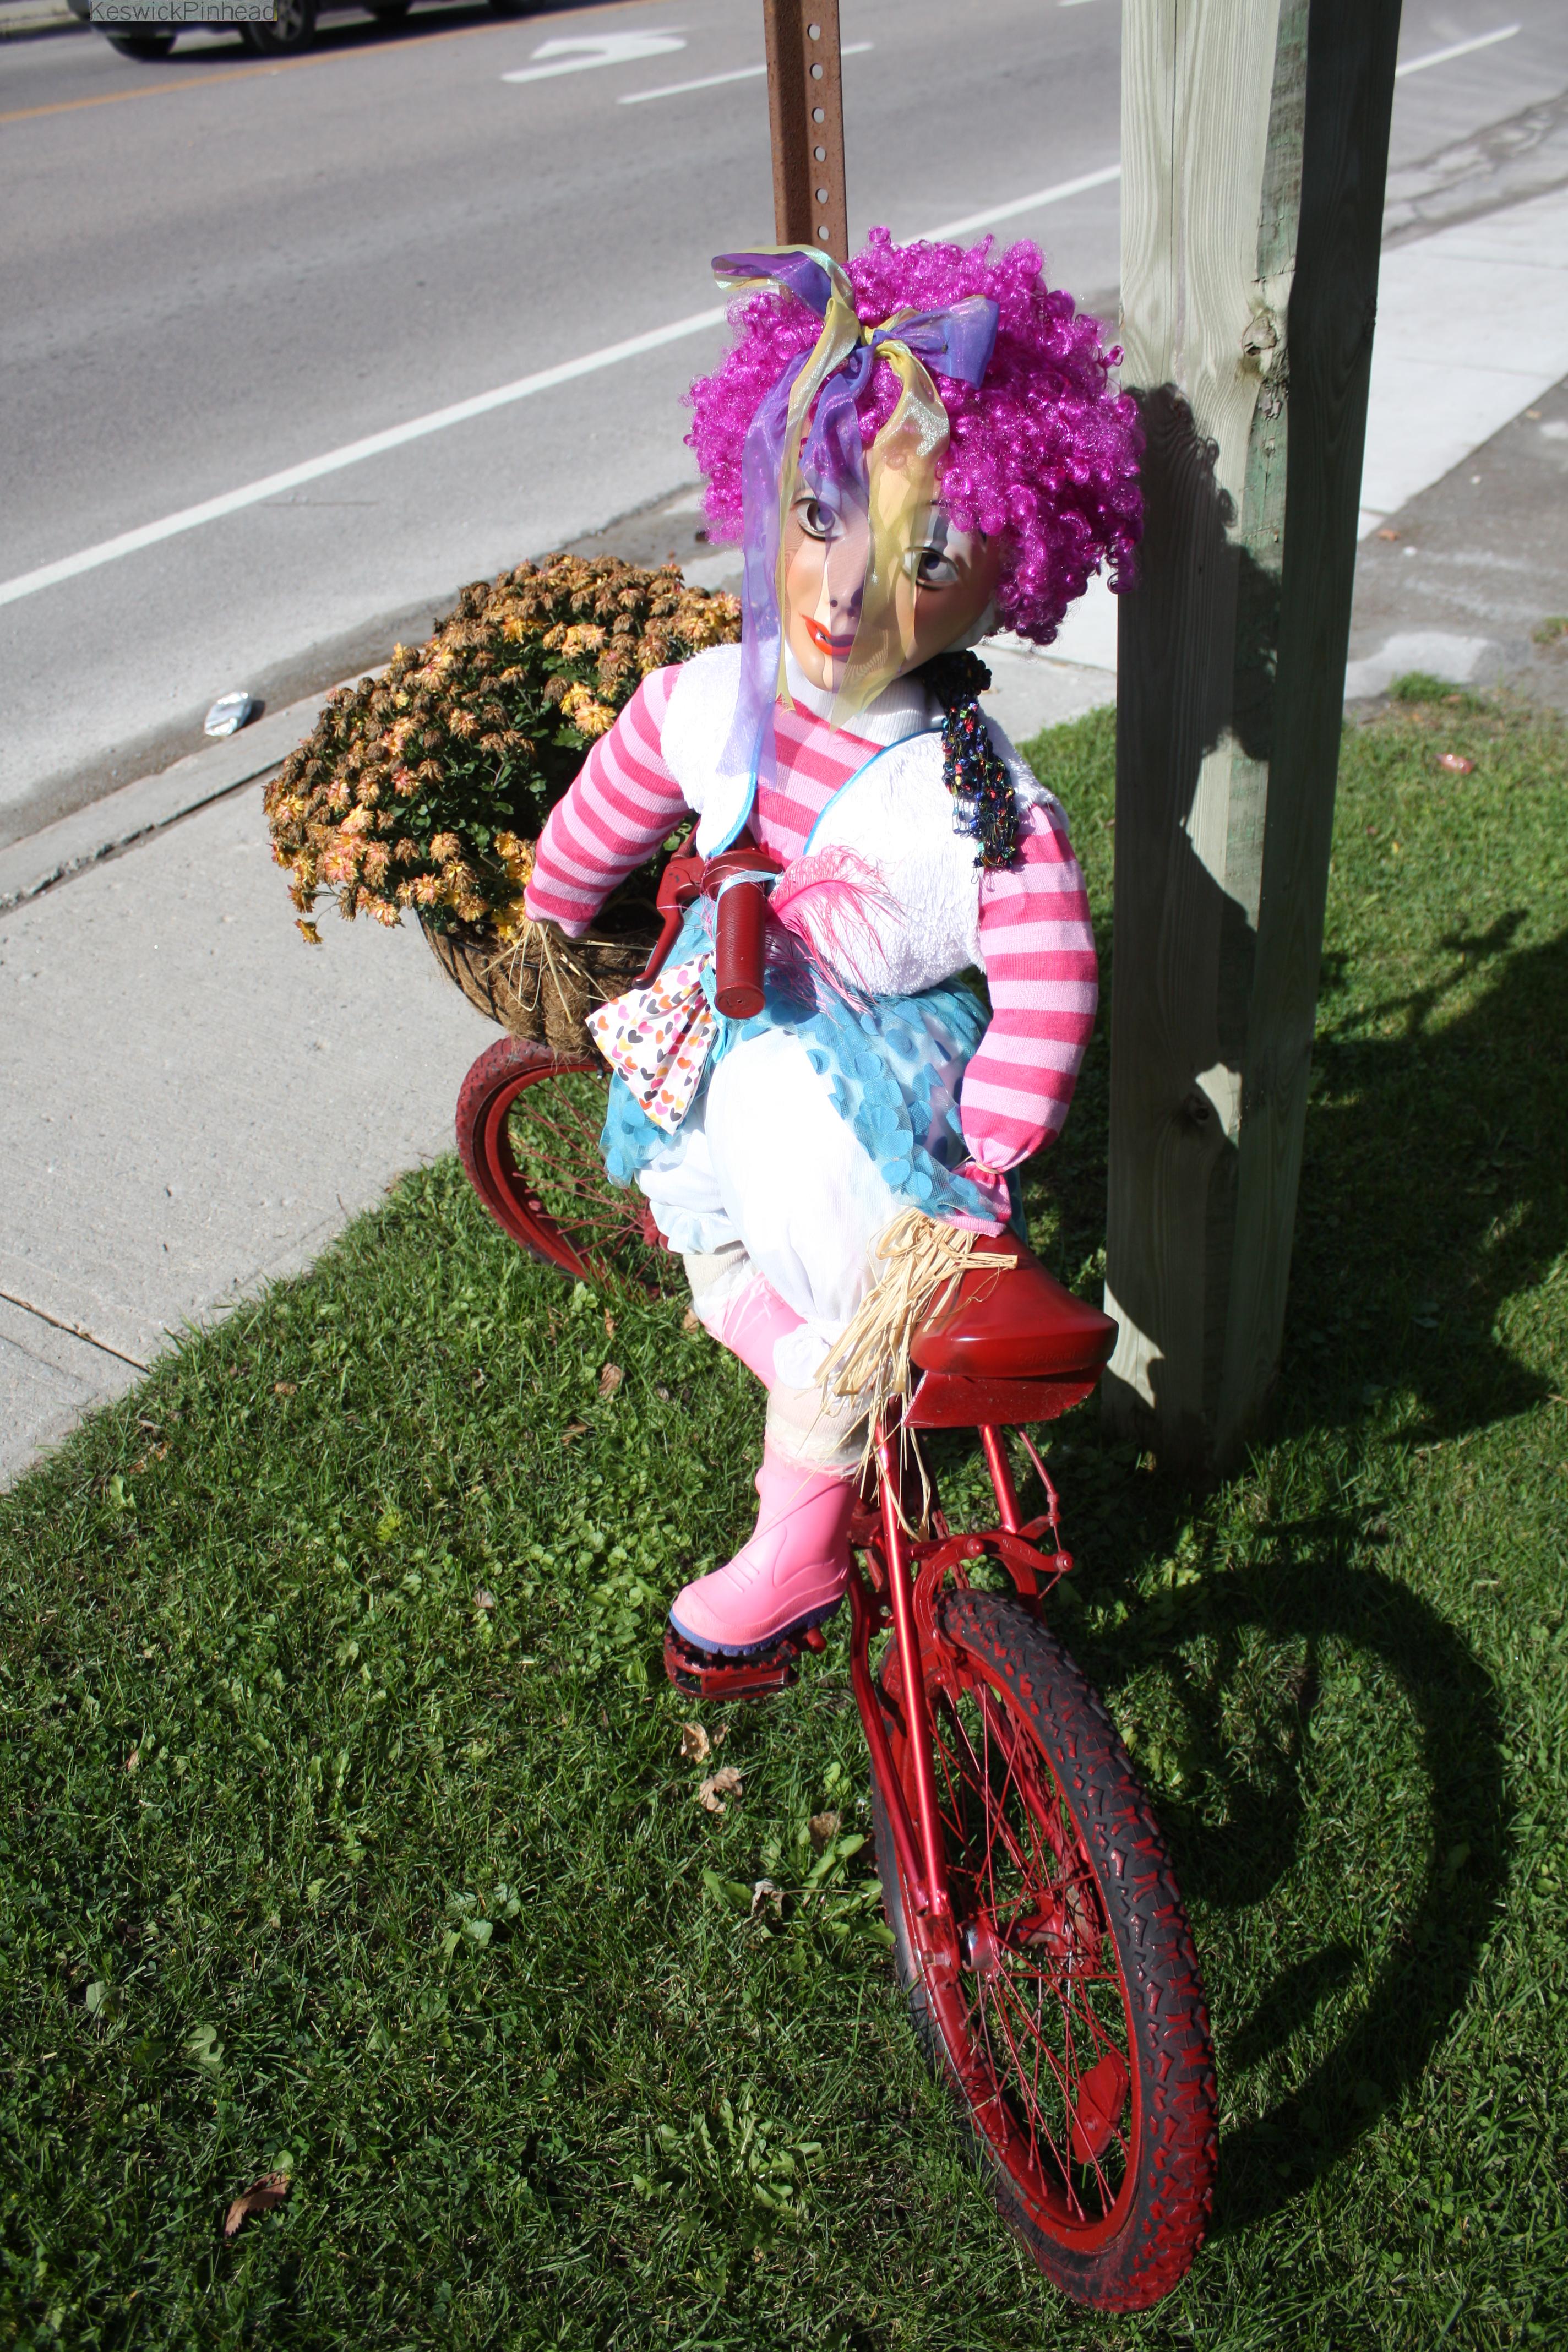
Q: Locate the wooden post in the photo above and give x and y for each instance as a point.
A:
(1253, 144)
(805, 104)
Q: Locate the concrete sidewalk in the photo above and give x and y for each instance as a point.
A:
(194, 1101)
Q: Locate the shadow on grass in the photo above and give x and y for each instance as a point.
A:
(1425, 1976)
(1434, 1188)
(1434, 1194)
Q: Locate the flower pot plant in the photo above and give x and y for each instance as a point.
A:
(424, 789)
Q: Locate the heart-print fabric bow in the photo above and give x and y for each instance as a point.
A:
(659, 1039)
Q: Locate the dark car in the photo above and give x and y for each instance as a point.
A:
(294, 30)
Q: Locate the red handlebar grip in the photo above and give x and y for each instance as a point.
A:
(739, 920)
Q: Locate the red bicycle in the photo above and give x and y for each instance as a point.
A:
(1038, 1933)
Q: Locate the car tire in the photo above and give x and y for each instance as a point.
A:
(294, 31)
(145, 48)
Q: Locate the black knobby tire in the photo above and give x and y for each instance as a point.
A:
(1118, 2238)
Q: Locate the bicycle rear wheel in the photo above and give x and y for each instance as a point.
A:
(1073, 2028)
(528, 1136)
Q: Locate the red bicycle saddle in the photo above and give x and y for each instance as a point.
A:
(1014, 1324)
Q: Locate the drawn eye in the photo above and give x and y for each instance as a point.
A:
(816, 519)
(932, 569)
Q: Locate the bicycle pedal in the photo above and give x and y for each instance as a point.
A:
(703, 1673)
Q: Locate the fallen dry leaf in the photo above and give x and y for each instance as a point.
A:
(285, 1388)
(824, 1828)
(1455, 765)
(609, 1324)
(483, 1599)
(692, 1320)
(573, 1429)
(764, 1891)
(133, 1761)
(711, 1793)
(695, 1743)
(610, 1379)
(1388, 534)
(263, 2196)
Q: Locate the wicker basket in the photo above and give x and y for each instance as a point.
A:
(543, 986)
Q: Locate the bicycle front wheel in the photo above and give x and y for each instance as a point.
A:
(528, 1136)
(1071, 2022)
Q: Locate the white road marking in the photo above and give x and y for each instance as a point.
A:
(1458, 49)
(376, 445)
(711, 81)
(603, 49)
(1024, 203)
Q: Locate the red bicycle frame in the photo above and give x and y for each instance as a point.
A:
(906, 1574)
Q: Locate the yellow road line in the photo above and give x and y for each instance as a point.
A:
(237, 73)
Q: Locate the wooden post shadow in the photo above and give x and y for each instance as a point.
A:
(1255, 143)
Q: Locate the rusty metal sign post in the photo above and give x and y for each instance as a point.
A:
(806, 109)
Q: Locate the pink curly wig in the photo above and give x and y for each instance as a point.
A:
(1042, 452)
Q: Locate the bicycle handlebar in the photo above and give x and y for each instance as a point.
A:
(737, 881)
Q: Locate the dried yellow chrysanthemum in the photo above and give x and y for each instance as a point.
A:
(425, 786)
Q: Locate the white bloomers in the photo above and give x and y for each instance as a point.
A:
(763, 1160)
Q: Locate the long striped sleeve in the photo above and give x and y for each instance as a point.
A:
(1037, 945)
(623, 802)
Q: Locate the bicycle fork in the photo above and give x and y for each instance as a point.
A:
(919, 1842)
(918, 1836)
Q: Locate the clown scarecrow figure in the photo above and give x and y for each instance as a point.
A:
(913, 451)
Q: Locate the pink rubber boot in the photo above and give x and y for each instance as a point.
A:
(791, 1574)
(752, 1326)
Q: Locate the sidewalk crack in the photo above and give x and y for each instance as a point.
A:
(73, 1330)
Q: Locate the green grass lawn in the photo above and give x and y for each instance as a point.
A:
(347, 1832)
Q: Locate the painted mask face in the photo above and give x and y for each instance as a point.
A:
(947, 579)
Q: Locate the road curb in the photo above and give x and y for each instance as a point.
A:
(74, 842)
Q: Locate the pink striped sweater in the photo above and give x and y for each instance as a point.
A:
(1035, 932)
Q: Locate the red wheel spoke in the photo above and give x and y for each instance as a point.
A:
(1069, 2103)
(528, 1131)
(1033, 2106)
(1036, 1865)
(1017, 1873)
(1102, 2142)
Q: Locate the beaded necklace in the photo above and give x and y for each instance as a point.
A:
(981, 787)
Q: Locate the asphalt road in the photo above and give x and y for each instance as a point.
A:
(217, 269)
